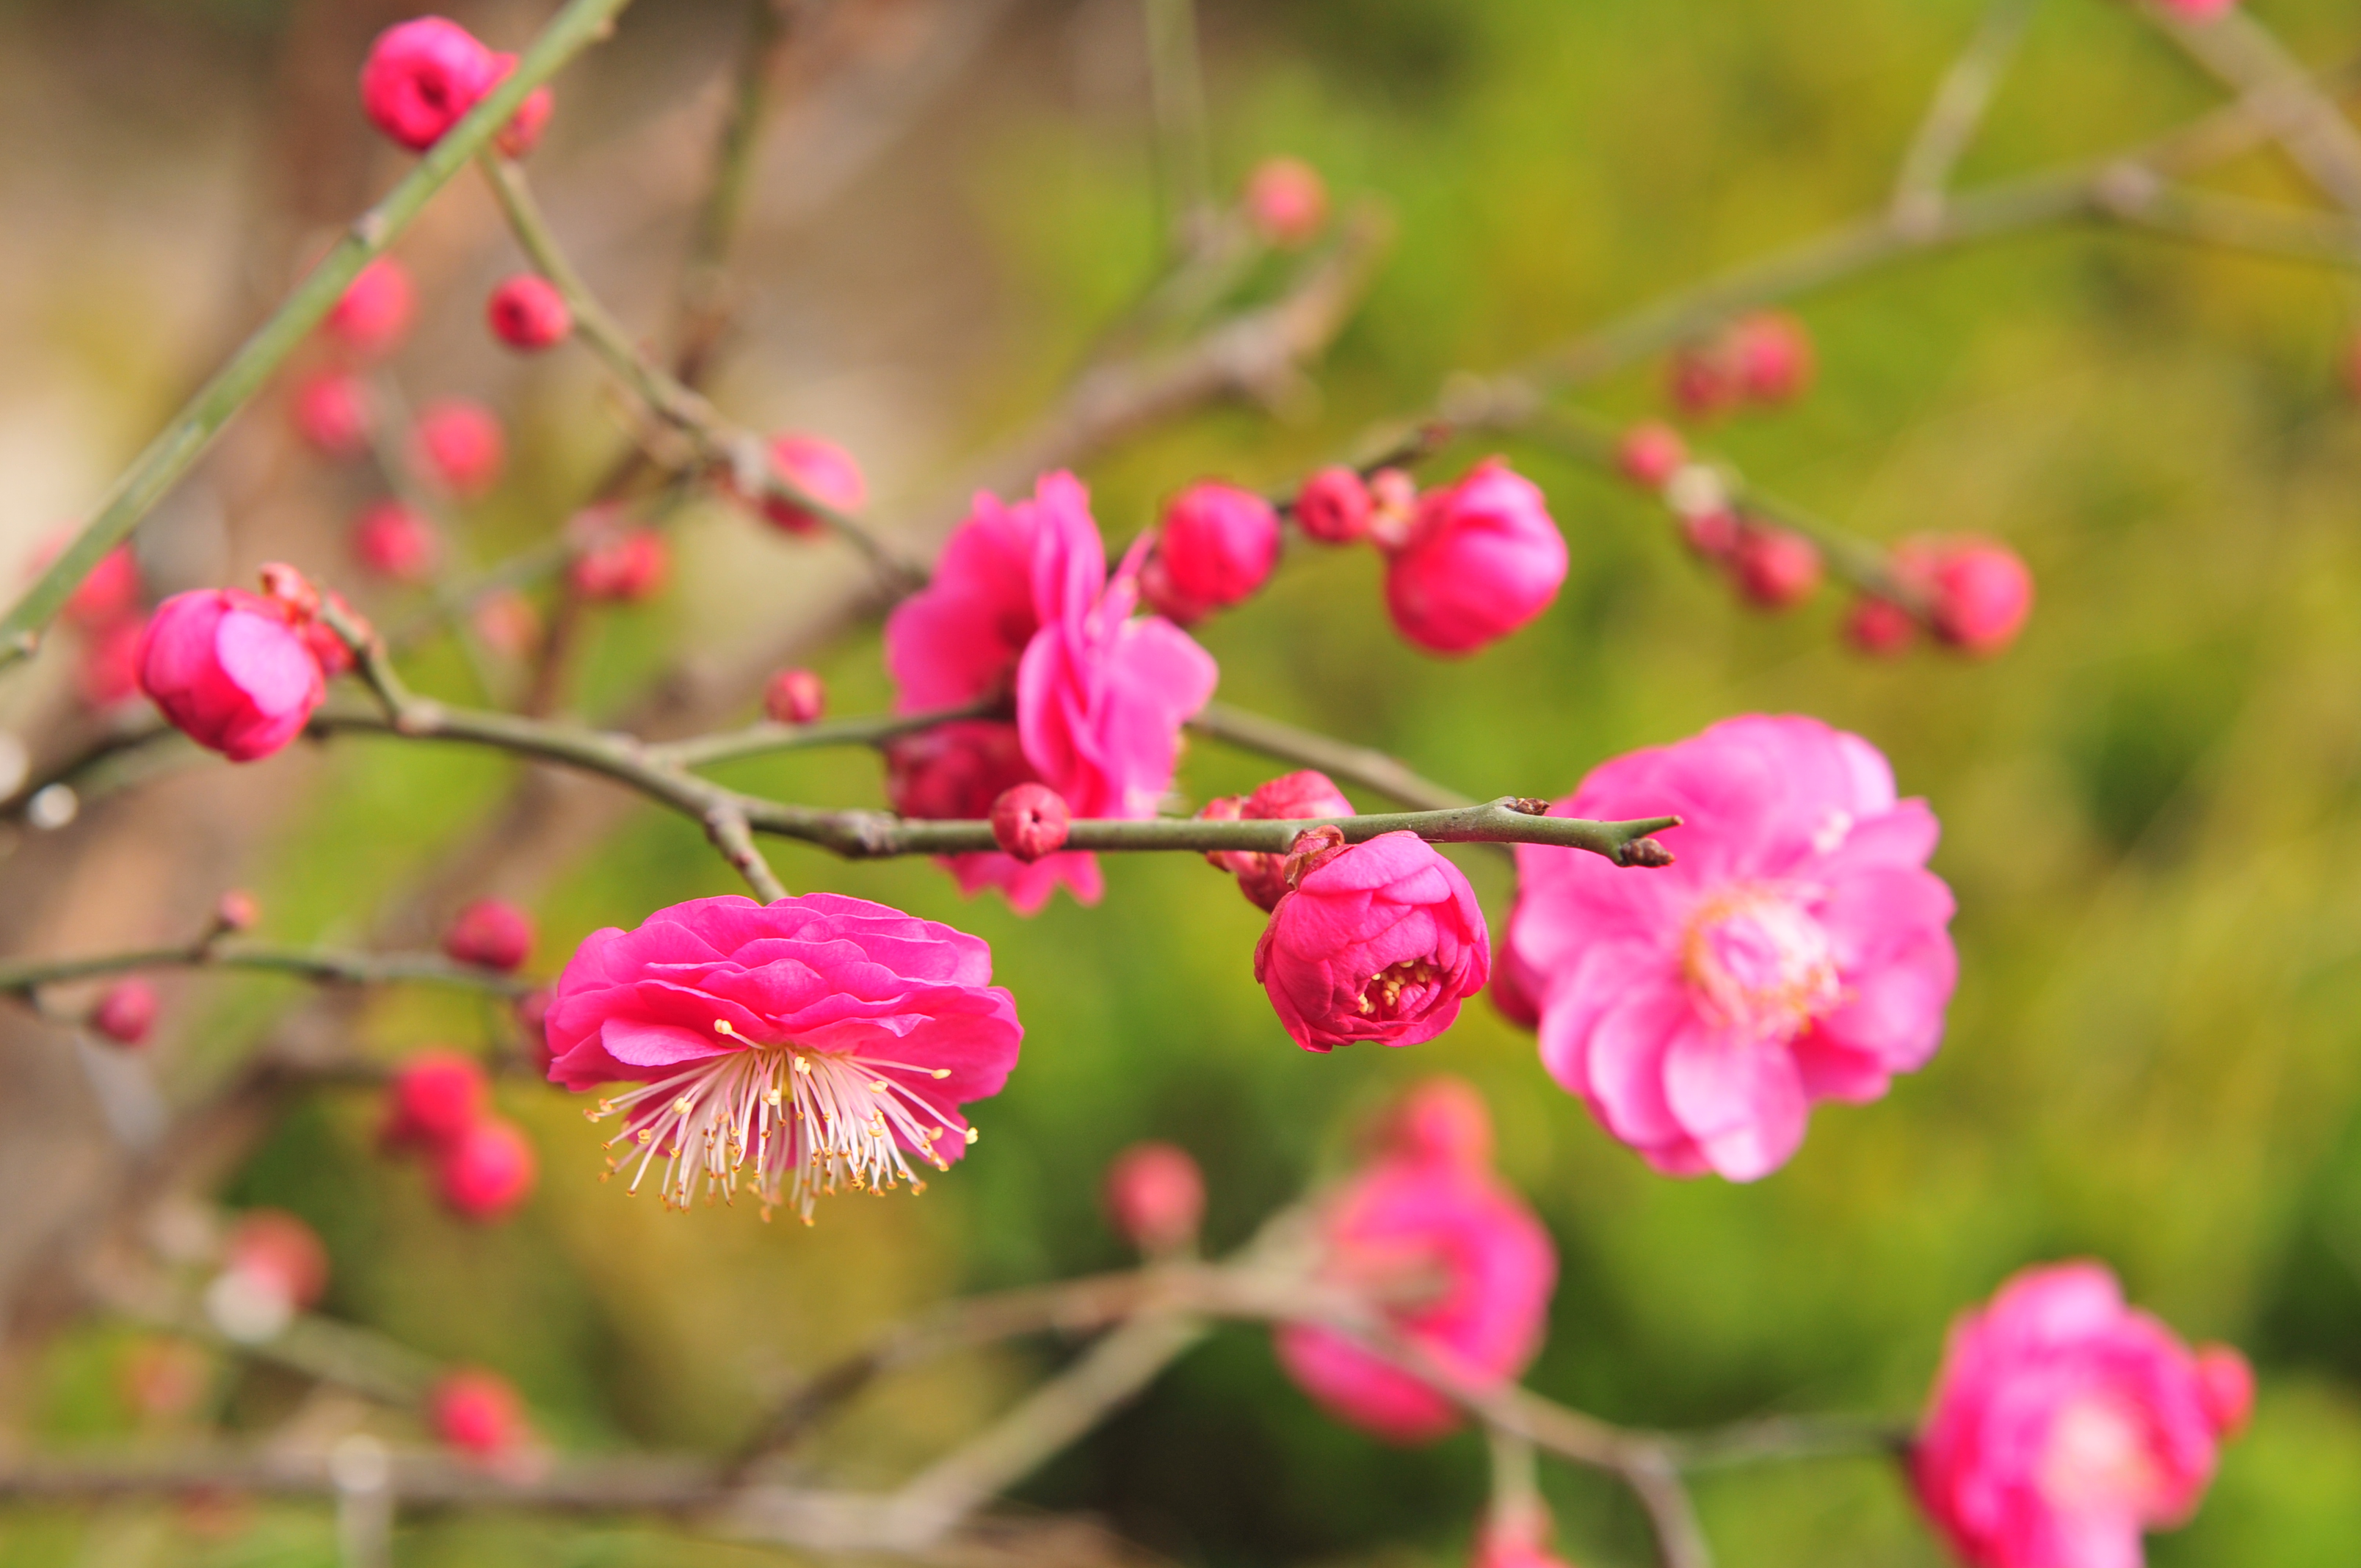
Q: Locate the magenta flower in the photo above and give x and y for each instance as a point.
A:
(1300, 797)
(1800, 950)
(229, 672)
(2064, 1423)
(1380, 941)
(422, 76)
(814, 1043)
(1459, 1267)
(1217, 545)
(1482, 558)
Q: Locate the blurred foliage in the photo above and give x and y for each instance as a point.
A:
(2151, 814)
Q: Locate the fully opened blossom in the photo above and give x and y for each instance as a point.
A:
(230, 671)
(1482, 558)
(1799, 950)
(797, 1047)
(2064, 1424)
(1459, 1267)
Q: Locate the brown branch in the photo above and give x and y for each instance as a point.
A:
(1338, 759)
(327, 966)
(2278, 92)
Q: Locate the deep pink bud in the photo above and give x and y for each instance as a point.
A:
(421, 77)
(1441, 1122)
(624, 567)
(332, 414)
(109, 670)
(1711, 534)
(1981, 595)
(2226, 1385)
(1379, 942)
(527, 312)
(1514, 1547)
(2198, 10)
(229, 672)
(1333, 506)
(1286, 201)
(1155, 1196)
(476, 1413)
(523, 133)
(1030, 820)
(397, 541)
(1482, 558)
(507, 622)
(1772, 356)
(795, 697)
(1879, 627)
(108, 594)
(954, 772)
(1217, 545)
(459, 447)
(431, 1100)
(821, 469)
(1651, 454)
(238, 910)
(491, 932)
(1702, 379)
(126, 1012)
(1303, 796)
(1775, 568)
(487, 1171)
(376, 309)
(280, 1252)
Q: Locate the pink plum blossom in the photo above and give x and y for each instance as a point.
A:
(421, 77)
(230, 671)
(1298, 797)
(2064, 1424)
(1798, 950)
(1482, 557)
(1216, 546)
(797, 1047)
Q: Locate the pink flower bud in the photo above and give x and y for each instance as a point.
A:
(487, 1171)
(1393, 505)
(109, 670)
(431, 1100)
(492, 933)
(1217, 545)
(1702, 379)
(1515, 1546)
(954, 772)
(1879, 627)
(110, 592)
(1772, 356)
(795, 697)
(476, 1413)
(1775, 568)
(1379, 942)
(1155, 1197)
(821, 469)
(508, 623)
(1300, 797)
(229, 672)
(126, 1012)
(280, 1252)
(421, 77)
(523, 133)
(1981, 595)
(161, 1378)
(1651, 454)
(527, 312)
(238, 910)
(1711, 534)
(2198, 10)
(1441, 1122)
(397, 541)
(375, 310)
(1482, 558)
(1030, 820)
(459, 447)
(332, 414)
(533, 1017)
(1333, 506)
(624, 567)
(2227, 1385)
(1285, 201)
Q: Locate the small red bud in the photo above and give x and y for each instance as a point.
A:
(396, 541)
(508, 623)
(1030, 820)
(1701, 380)
(2226, 1387)
(1285, 201)
(1772, 356)
(1879, 627)
(1333, 506)
(487, 1171)
(616, 565)
(431, 1100)
(1155, 1197)
(492, 933)
(1775, 568)
(459, 447)
(795, 697)
(527, 314)
(126, 1012)
(275, 1250)
(1981, 595)
(478, 1414)
(238, 910)
(373, 311)
(1651, 454)
(333, 413)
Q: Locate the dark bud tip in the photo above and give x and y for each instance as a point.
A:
(1648, 853)
(1529, 805)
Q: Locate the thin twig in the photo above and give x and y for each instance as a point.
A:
(1338, 759)
(1957, 110)
(2276, 90)
(325, 965)
(760, 740)
(703, 309)
(1176, 87)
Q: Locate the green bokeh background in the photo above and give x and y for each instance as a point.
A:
(2150, 809)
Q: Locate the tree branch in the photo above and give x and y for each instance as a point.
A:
(325, 965)
(1957, 110)
(1338, 759)
(2276, 90)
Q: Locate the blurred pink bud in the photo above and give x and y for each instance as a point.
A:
(160, 1378)
(1155, 1197)
(2226, 1385)
(332, 414)
(1440, 1121)
(527, 312)
(1515, 1546)
(238, 910)
(1702, 379)
(1482, 559)
(1772, 356)
(1513, 989)
(1333, 506)
(795, 697)
(421, 77)
(431, 1100)
(1712, 534)
(533, 1017)
(487, 1171)
(1300, 797)
(274, 1249)
(1879, 627)
(508, 623)
(1980, 594)
(1217, 544)
(1775, 568)
(396, 541)
(1285, 201)
(624, 567)
(821, 469)
(1393, 504)
(109, 594)
(459, 447)
(523, 133)
(1030, 820)
(109, 670)
(2198, 10)
(477, 1413)
(1651, 454)
(1379, 942)
(229, 672)
(375, 310)
(492, 933)
(126, 1012)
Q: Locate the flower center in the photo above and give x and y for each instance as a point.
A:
(1760, 961)
(1398, 990)
(2099, 1457)
(787, 1123)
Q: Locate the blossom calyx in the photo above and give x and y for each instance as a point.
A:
(1291, 798)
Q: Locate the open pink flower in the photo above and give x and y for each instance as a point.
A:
(2064, 1423)
(1459, 1267)
(1798, 950)
(822, 1041)
(230, 671)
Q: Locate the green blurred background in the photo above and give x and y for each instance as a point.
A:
(2149, 807)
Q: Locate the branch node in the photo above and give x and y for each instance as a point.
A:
(1647, 853)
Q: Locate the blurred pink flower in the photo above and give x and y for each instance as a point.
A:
(523, 133)
(1798, 950)
(431, 1100)
(527, 312)
(1216, 545)
(459, 447)
(821, 469)
(1155, 1196)
(229, 672)
(332, 412)
(1285, 201)
(397, 541)
(477, 1413)
(1482, 558)
(822, 1040)
(2064, 1424)
(491, 932)
(374, 310)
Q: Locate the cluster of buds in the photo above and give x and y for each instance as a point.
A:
(108, 613)
(438, 1106)
(1761, 360)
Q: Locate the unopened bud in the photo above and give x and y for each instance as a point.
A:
(1030, 820)
(1650, 455)
(238, 910)
(1155, 1197)
(1647, 853)
(1775, 568)
(1333, 506)
(126, 1012)
(795, 697)
(491, 932)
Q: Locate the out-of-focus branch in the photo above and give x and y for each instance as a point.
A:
(2277, 92)
(321, 964)
(1956, 111)
(1176, 87)
(1339, 760)
(760, 740)
(703, 309)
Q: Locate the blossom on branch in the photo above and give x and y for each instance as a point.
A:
(1482, 557)
(1797, 950)
(1298, 797)
(230, 671)
(1216, 546)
